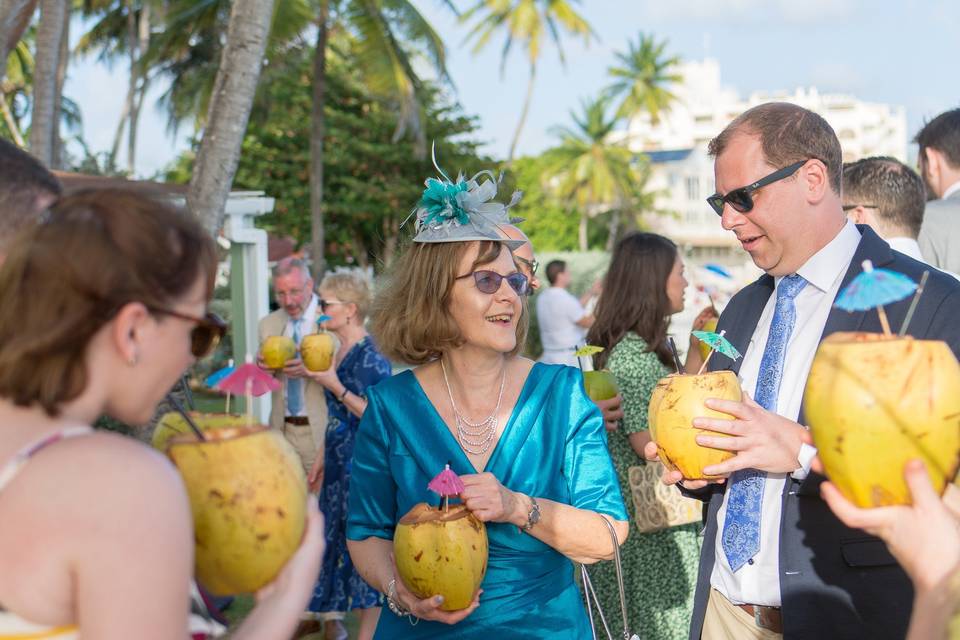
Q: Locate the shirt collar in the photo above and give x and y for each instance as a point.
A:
(952, 189)
(906, 246)
(828, 265)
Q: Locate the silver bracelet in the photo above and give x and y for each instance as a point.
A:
(394, 604)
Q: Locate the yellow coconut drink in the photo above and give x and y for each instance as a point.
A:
(442, 550)
(173, 424)
(599, 385)
(874, 402)
(676, 401)
(276, 350)
(316, 351)
(248, 496)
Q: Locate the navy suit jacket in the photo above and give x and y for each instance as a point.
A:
(835, 582)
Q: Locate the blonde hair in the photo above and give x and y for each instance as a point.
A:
(351, 288)
(411, 318)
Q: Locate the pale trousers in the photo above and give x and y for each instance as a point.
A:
(301, 439)
(726, 621)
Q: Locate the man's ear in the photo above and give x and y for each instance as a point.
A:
(816, 180)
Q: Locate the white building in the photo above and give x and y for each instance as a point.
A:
(682, 172)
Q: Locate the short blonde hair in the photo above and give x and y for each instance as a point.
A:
(351, 288)
(411, 318)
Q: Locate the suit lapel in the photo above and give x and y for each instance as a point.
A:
(872, 248)
(740, 324)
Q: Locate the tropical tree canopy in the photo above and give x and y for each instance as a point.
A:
(642, 77)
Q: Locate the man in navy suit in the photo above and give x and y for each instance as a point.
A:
(775, 561)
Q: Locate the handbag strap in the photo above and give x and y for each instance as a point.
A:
(590, 594)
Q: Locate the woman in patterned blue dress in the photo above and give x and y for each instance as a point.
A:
(344, 299)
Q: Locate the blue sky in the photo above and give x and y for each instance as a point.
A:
(897, 52)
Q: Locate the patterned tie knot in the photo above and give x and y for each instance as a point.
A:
(790, 286)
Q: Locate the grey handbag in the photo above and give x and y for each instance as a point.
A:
(591, 597)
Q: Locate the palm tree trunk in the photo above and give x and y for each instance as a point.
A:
(118, 136)
(62, 63)
(138, 81)
(582, 231)
(53, 15)
(230, 105)
(613, 229)
(318, 131)
(11, 123)
(14, 17)
(523, 114)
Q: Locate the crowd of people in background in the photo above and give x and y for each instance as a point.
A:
(105, 296)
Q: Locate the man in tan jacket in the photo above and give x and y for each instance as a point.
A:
(299, 409)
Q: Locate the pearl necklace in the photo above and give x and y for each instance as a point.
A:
(476, 438)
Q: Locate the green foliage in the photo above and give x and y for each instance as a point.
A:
(370, 182)
(642, 78)
(549, 225)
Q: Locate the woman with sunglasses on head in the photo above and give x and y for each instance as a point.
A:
(104, 306)
(344, 302)
(524, 438)
(643, 287)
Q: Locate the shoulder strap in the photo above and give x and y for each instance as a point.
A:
(9, 471)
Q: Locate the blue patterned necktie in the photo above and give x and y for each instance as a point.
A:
(295, 385)
(741, 528)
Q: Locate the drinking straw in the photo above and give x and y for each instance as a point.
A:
(186, 416)
(913, 304)
(676, 356)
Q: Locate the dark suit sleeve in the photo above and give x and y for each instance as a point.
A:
(945, 323)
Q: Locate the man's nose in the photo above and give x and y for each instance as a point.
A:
(731, 218)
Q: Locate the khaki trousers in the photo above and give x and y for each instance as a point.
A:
(301, 439)
(726, 621)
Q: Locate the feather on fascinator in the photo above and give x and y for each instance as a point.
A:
(463, 210)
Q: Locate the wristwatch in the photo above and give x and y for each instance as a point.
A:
(533, 517)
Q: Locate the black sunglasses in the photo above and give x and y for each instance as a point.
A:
(533, 265)
(326, 303)
(489, 281)
(741, 200)
(204, 337)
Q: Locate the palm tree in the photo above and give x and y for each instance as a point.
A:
(593, 173)
(14, 87)
(641, 80)
(525, 21)
(14, 17)
(232, 99)
(122, 30)
(54, 19)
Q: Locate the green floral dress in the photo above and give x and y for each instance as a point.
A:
(659, 568)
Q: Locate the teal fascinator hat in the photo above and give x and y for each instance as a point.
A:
(463, 210)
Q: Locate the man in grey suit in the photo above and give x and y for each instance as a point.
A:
(939, 159)
(775, 561)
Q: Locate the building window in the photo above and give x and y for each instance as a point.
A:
(693, 188)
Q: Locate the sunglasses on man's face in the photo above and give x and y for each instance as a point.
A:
(207, 333)
(489, 281)
(741, 200)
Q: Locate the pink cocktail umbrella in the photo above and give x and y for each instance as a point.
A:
(250, 380)
(446, 484)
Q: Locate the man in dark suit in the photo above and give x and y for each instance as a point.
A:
(775, 561)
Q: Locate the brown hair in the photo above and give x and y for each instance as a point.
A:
(635, 297)
(351, 288)
(67, 277)
(411, 319)
(788, 134)
(892, 187)
(24, 183)
(943, 134)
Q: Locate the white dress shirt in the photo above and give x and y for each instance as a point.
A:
(758, 581)
(952, 189)
(307, 321)
(558, 312)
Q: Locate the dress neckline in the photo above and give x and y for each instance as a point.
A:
(450, 440)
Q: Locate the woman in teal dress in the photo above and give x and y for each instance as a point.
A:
(643, 287)
(527, 443)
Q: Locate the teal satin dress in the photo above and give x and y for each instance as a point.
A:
(553, 447)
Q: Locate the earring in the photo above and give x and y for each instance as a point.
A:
(133, 359)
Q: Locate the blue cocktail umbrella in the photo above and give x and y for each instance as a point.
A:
(219, 375)
(717, 269)
(717, 343)
(875, 288)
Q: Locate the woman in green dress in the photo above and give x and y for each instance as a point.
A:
(643, 287)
